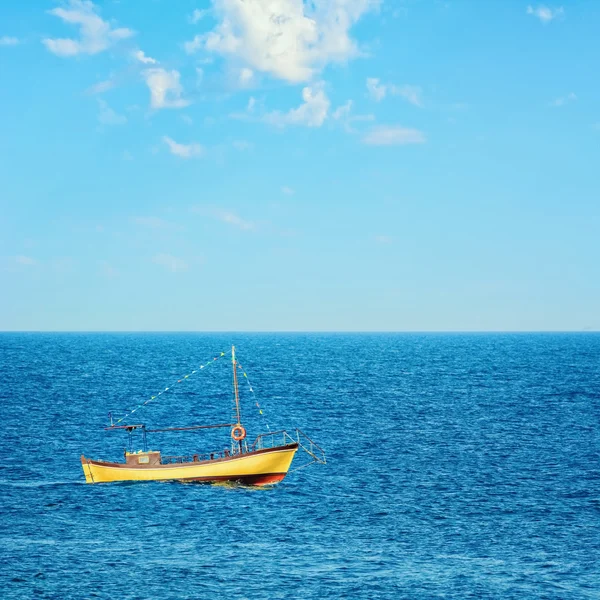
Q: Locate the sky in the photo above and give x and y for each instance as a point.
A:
(274, 165)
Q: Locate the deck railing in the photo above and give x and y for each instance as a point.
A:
(169, 460)
(263, 441)
(282, 438)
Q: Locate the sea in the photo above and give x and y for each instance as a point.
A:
(458, 466)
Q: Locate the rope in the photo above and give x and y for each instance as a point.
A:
(184, 378)
(254, 396)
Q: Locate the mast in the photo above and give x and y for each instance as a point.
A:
(235, 387)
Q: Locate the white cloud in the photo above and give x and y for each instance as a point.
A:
(165, 88)
(197, 15)
(288, 191)
(563, 100)
(343, 115)
(246, 77)
(343, 111)
(234, 219)
(107, 116)
(194, 45)
(170, 262)
(187, 119)
(183, 150)
(411, 93)
(290, 39)
(312, 113)
(25, 260)
(378, 91)
(544, 13)
(375, 89)
(101, 87)
(386, 135)
(8, 41)
(95, 34)
(141, 57)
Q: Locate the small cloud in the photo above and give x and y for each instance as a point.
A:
(242, 145)
(288, 191)
(100, 228)
(234, 219)
(141, 57)
(249, 114)
(343, 111)
(126, 155)
(101, 87)
(165, 88)
(544, 13)
(226, 216)
(8, 41)
(107, 116)
(194, 45)
(187, 119)
(312, 113)
(377, 91)
(245, 77)
(183, 150)
(563, 100)
(383, 239)
(95, 34)
(411, 93)
(344, 116)
(196, 16)
(387, 135)
(170, 262)
(25, 260)
(596, 126)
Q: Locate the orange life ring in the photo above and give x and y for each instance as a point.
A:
(238, 433)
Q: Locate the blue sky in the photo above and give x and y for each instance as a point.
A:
(254, 165)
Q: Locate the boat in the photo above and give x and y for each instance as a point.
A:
(264, 462)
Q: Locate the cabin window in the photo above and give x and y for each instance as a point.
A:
(143, 460)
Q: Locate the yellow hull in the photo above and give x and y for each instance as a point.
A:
(261, 467)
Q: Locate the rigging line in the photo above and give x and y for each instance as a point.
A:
(181, 379)
(260, 410)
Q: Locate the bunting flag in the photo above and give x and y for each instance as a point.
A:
(260, 411)
(197, 370)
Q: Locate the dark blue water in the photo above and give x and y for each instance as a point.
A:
(459, 466)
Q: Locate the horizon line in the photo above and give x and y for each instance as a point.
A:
(307, 331)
